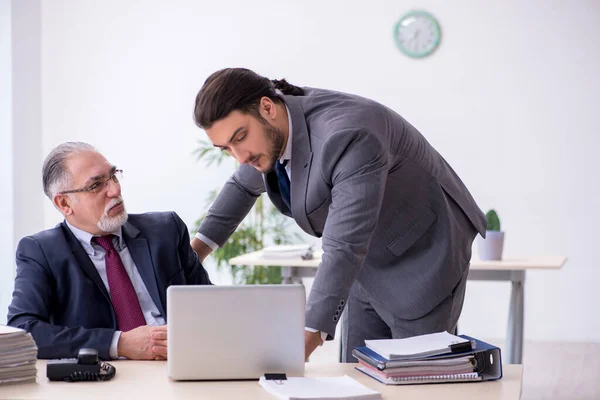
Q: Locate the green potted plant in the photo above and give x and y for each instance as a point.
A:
(263, 226)
(491, 247)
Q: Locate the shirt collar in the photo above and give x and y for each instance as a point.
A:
(85, 238)
(287, 154)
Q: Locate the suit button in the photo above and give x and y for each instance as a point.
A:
(335, 318)
(342, 302)
(340, 308)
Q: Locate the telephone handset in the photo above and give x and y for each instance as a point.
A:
(86, 367)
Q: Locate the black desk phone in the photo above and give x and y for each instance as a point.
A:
(86, 367)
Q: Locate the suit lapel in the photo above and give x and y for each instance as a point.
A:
(301, 163)
(140, 253)
(84, 261)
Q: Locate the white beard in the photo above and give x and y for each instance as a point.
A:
(111, 224)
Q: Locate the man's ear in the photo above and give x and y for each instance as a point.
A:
(267, 108)
(64, 203)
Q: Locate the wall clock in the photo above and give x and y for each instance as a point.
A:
(417, 34)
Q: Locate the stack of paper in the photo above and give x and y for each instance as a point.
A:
(298, 251)
(18, 354)
(336, 388)
(419, 359)
(415, 347)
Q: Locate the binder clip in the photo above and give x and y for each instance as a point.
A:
(462, 347)
(277, 378)
(308, 254)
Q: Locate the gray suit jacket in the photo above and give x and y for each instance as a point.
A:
(393, 216)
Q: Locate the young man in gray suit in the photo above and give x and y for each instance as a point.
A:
(396, 222)
(99, 278)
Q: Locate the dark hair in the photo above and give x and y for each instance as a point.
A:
(236, 89)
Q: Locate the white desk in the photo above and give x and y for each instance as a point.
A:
(148, 380)
(512, 269)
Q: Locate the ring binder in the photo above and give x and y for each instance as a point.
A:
(411, 380)
(455, 377)
(483, 359)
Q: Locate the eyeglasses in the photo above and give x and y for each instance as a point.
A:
(116, 176)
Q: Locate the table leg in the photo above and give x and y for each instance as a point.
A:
(287, 275)
(291, 275)
(514, 336)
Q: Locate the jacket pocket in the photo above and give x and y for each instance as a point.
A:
(321, 212)
(413, 232)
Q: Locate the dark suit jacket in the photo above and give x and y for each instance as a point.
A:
(60, 298)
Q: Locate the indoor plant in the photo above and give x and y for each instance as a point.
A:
(491, 247)
(264, 225)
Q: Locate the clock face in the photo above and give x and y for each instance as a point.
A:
(417, 34)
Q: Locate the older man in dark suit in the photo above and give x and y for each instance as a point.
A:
(99, 278)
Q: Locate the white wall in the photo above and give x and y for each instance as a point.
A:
(6, 178)
(27, 116)
(21, 65)
(510, 99)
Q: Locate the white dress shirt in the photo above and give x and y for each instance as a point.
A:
(97, 254)
(287, 155)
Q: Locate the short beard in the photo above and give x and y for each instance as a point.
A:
(110, 224)
(276, 138)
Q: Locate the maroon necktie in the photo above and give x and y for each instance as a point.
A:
(125, 302)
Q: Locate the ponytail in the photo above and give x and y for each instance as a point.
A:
(239, 89)
(287, 88)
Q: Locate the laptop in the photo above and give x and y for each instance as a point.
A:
(235, 332)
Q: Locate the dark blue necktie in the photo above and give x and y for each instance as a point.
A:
(284, 183)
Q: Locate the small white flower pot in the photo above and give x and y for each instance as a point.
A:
(491, 247)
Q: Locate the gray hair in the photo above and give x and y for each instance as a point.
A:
(55, 175)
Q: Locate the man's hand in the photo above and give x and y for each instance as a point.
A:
(311, 341)
(201, 248)
(144, 343)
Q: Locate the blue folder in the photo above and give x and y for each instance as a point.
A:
(488, 359)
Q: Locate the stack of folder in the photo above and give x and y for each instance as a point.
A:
(18, 356)
(434, 358)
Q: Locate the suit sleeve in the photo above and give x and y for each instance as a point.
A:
(356, 166)
(232, 204)
(195, 274)
(32, 306)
